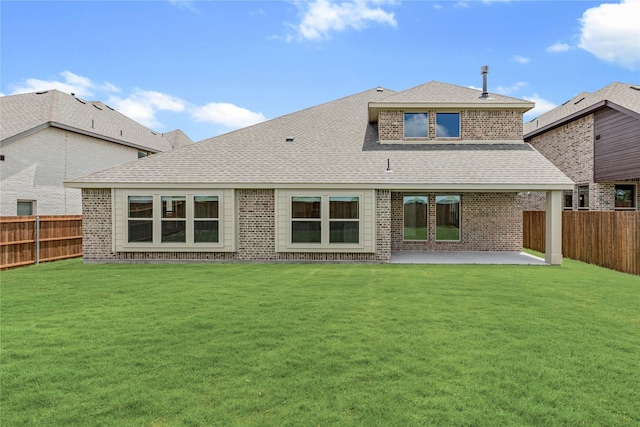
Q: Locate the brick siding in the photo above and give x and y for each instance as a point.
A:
(475, 125)
(488, 222)
(570, 148)
(256, 235)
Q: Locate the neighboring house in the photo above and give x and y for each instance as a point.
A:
(434, 168)
(594, 138)
(49, 137)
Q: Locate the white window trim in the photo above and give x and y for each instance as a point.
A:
(157, 245)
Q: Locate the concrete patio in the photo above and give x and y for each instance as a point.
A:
(499, 258)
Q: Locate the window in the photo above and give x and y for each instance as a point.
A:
(447, 125)
(415, 218)
(174, 215)
(26, 207)
(344, 224)
(306, 220)
(180, 220)
(206, 221)
(583, 197)
(140, 219)
(625, 196)
(447, 218)
(416, 125)
(319, 220)
(567, 197)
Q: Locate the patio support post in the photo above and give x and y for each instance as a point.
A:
(553, 244)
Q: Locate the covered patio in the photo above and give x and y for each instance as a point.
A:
(497, 258)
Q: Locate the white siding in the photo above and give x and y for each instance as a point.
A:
(36, 166)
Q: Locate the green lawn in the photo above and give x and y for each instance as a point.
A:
(319, 345)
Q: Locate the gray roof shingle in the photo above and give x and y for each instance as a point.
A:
(623, 94)
(334, 144)
(26, 112)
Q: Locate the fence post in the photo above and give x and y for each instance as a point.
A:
(37, 240)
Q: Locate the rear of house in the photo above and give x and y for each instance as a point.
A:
(594, 138)
(433, 168)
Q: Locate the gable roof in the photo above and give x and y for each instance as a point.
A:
(333, 145)
(620, 96)
(444, 95)
(30, 112)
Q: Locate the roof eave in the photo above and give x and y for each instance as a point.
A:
(57, 125)
(579, 114)
(425, 186)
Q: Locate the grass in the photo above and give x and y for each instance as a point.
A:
(327, 345)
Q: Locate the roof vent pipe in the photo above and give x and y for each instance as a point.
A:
(484, 70)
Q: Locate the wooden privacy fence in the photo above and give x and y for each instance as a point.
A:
(28, 240)
(607, 239)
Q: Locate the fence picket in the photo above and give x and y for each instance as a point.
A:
(60, 238)
(608, 239)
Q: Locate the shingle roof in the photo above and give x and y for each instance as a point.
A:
(438, 92)
(27, 112)
(623, 94)
(333, 144)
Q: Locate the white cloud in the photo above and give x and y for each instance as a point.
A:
(611, 33)
(508, 90)
(81, 86)
(542, 106)
(521, 59)
(321, 17)
(559, 47)
(143, 105)
(228, 115)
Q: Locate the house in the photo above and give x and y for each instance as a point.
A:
(594, 138)
(433, 168)
(48, 137)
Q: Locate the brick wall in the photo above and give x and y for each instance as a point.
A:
(570, 148)
(475, 125)
(96, 225)
(488, 222)
(601, 197)
(256, 225)
(256, 234)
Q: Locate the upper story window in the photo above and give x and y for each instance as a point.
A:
(447, 125)
(625, 196)
(416, 125)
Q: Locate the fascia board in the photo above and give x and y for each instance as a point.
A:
(492, 187)
(57, 125)
(103, 137)
(565, 119)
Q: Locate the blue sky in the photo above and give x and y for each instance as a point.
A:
(208, 67)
